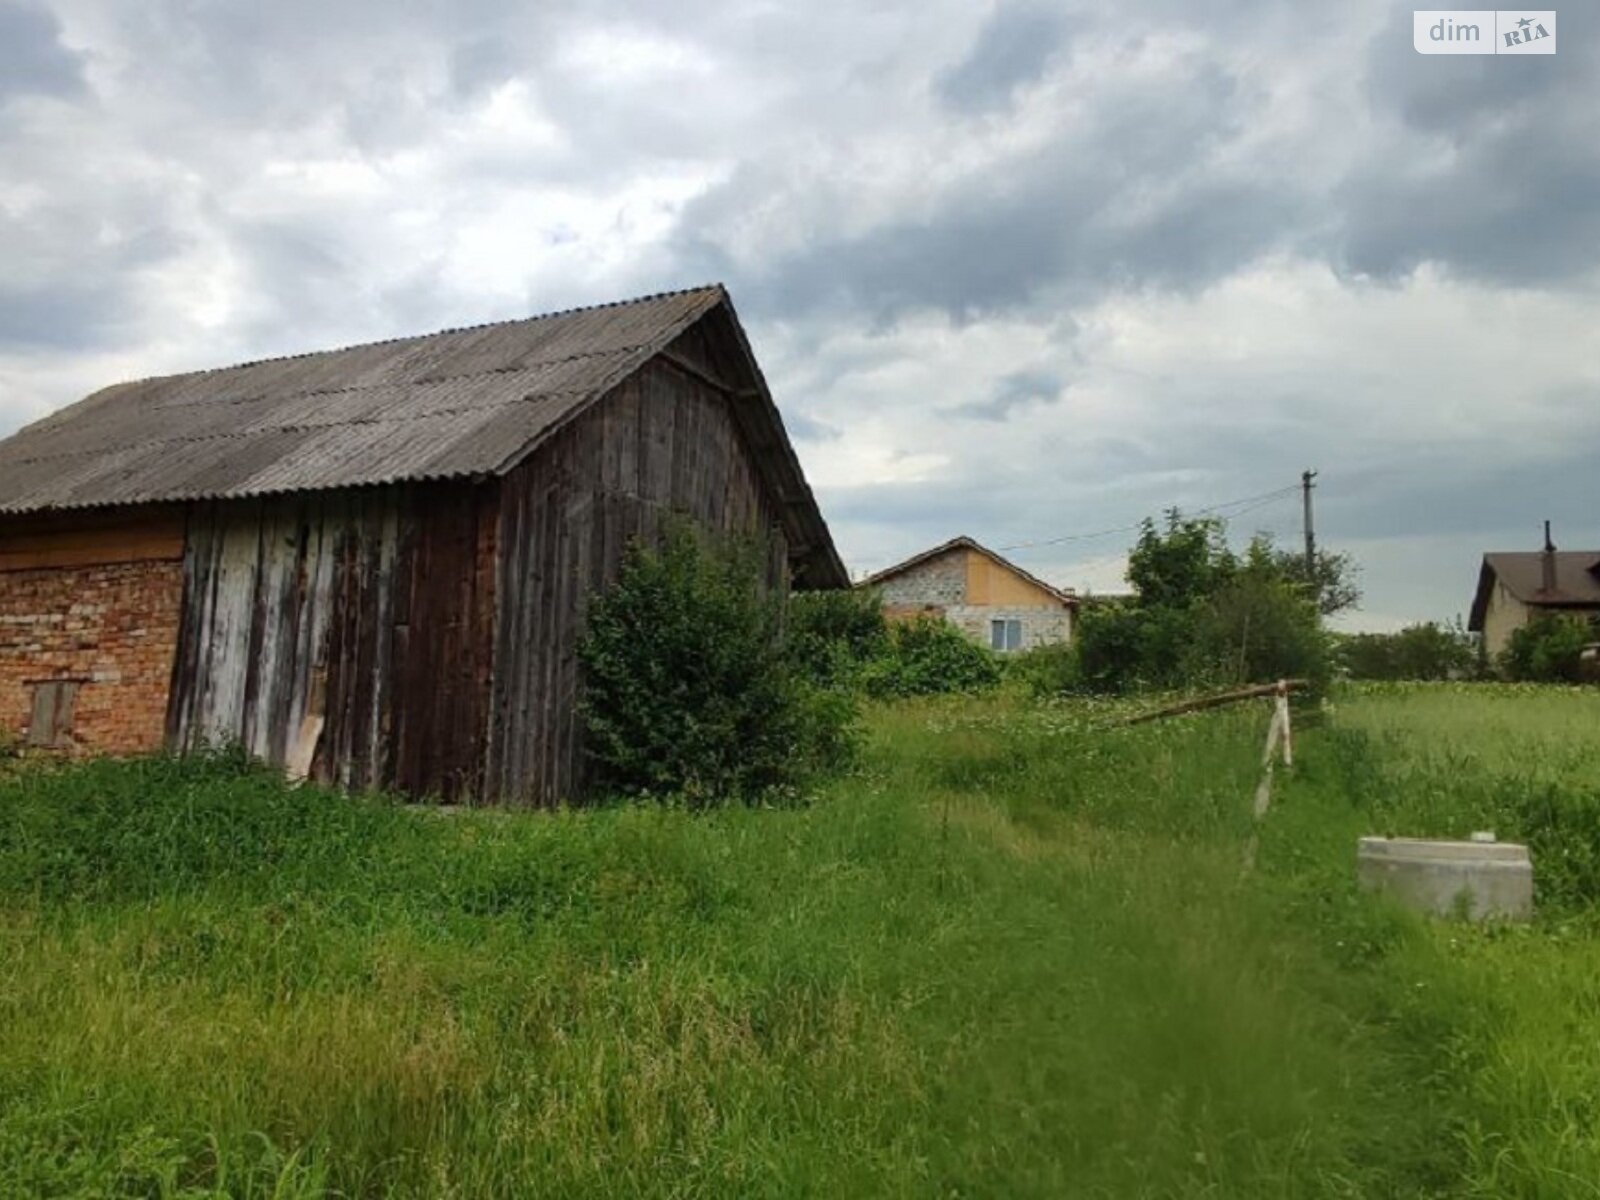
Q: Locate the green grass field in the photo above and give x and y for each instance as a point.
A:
(1016, 954)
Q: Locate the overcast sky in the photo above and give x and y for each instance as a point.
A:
(1023, 271)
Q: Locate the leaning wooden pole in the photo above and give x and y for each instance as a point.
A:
(1281, 688)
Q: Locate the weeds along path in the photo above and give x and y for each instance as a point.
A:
(1012, 955)
(1505, 1015)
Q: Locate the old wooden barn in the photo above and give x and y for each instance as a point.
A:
(395, 538)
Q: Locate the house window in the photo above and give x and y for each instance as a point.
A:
(53, 703)
(1005, 634)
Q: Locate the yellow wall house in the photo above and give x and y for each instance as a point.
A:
(993, 601)
(1516, 586)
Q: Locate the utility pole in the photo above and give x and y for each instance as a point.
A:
(1311, 538)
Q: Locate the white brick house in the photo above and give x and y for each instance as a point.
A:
(991, 600)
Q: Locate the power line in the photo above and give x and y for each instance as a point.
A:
(1258, 504)
(1250, 503)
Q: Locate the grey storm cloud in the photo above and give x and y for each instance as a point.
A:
(32, 57)
(1487, 164)
(58, 317)
(1484, 165)
(959, 505)
(1013, 48)
(1128, 197)
(1011, 392)
(1497, 495)
(72, 273)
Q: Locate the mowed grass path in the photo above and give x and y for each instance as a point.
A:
(1015, 954)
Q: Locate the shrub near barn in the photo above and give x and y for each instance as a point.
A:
(842, 640)
(833, 635)
(688, 688)
(928, 656)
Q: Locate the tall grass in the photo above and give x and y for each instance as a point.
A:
(1516, 1052)
(1445, 760)
(1013, 954)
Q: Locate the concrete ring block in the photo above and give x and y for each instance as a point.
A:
(1485, 880)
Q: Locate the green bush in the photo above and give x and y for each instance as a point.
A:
(841, 642)
(1111, 647)
(1258, 628)
(1181, 564)
(1127, 648)
(833, 635)
(1053, 669)
(1204, 616)
(1548, 649)
(927, 656)
(688, 688)
(1423, 652)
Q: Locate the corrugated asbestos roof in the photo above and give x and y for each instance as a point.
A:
(459, 403)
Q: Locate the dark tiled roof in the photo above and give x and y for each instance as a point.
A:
(459, 403)
(1576, 580)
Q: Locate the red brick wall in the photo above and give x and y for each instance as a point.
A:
(112, 626)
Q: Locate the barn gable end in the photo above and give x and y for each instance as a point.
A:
(668, 440)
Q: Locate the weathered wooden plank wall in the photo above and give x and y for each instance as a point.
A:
(374, 605)
(670, 439)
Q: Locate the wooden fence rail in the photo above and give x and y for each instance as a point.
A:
(1282, 688)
